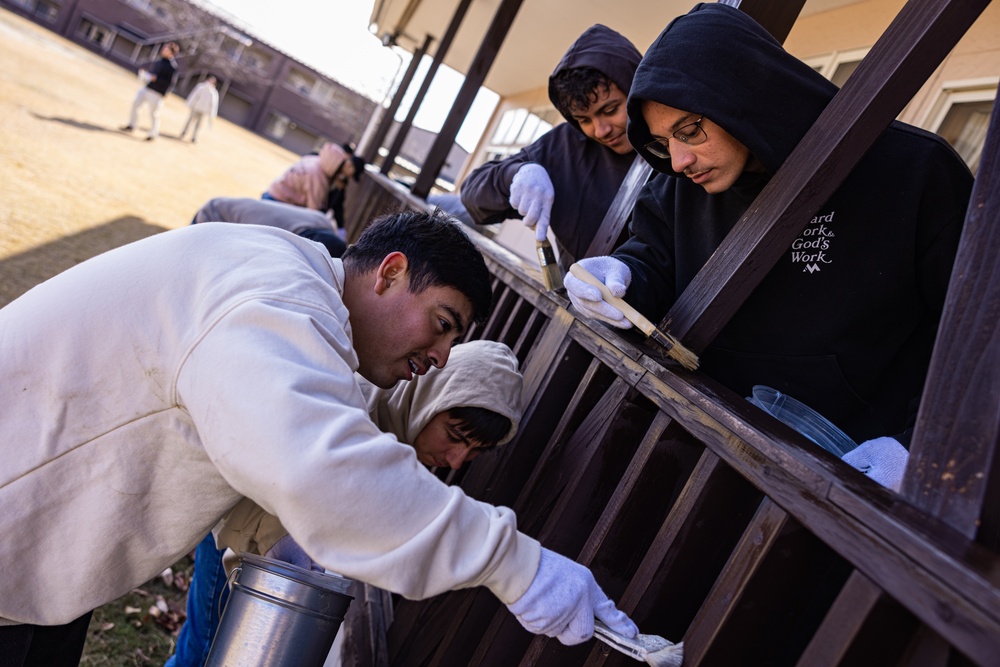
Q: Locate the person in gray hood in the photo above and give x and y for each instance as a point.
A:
(845, 321)
(571, 174)
(449, 415)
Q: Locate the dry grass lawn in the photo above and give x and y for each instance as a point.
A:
(72, 185)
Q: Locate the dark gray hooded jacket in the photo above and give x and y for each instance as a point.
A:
(585, 175)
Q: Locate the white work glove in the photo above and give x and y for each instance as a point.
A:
(615, 274)
(883, 459)
(287, 550)
(531, 193)
(563, 600)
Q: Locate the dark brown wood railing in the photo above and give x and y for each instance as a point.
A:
(705, 518)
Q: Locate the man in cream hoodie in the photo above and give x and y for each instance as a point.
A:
(450, 416)
(148, 390)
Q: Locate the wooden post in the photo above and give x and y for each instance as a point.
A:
(439, 54)
(776, 17)
(953, 452)
(371, 150)
(474, 78)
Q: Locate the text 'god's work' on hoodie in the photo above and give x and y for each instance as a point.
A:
(845, 321)
(585, 174)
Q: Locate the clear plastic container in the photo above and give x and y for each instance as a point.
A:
(803, 419)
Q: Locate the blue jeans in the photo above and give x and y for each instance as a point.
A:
(206, 595)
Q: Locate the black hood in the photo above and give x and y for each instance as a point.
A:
(605, 50)
(717, 61)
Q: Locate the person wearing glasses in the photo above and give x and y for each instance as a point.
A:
(570, 175)
(845, 321)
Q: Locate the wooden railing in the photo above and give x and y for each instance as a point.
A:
(707, 519)
(704, 517)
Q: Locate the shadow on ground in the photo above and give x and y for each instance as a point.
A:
(90, 127)
(21, 272)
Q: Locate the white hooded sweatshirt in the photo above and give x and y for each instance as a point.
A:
(480, 373)
(147, 390)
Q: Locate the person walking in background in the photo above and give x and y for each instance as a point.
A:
(572, 173)
(203, 102)
(161, 79)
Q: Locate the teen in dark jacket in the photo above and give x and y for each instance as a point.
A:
(571, 174)
(846, 320)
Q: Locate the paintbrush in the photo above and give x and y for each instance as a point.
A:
(675, 350)
(652, 649)
(550, 268)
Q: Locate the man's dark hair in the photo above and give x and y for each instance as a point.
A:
(480, 424)
(575, 89)
(437, 250)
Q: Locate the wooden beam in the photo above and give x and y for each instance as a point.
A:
(953, 455)
(474, 78)
(439, 55)
(370, 152)
(775, 17)
(610, 231)
(843, 623)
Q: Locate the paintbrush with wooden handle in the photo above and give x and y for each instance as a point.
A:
(675, 350)
(651, 649)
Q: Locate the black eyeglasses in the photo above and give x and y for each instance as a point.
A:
(691, 134)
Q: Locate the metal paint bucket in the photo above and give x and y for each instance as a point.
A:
(279, 615)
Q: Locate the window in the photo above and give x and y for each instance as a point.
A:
(323, 93)
(47, 11)
(255, 60)
(518, 128)
(39, 8)
(276, 126)
(142, 5)
(95, 33)
(961, 115)
(839, 65)
(300, 81)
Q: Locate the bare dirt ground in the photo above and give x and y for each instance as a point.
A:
(72, 185)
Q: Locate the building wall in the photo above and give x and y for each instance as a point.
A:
(976, 58)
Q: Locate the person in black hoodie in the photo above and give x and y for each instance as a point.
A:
(845, 322)
(570, 175)
(161, 79)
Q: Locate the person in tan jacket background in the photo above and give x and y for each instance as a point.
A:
(308, 181)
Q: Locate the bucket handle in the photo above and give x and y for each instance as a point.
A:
(229, 585)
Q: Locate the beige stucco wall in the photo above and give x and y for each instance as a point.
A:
(859, 25)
